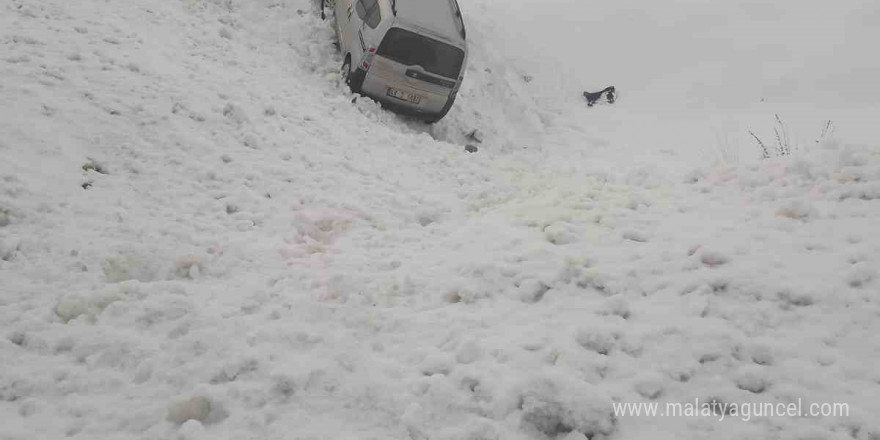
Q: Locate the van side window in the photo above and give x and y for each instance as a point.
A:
(374, 17)
(361, 9)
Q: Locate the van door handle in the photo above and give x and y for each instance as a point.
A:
(361, 35)
(418, 72)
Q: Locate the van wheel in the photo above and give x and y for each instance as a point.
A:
(353, 79)
(346, 71)
(324, 4)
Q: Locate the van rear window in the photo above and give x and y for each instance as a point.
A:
(412, 49)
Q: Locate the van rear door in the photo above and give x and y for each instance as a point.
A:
(415, 65)
(411, 49)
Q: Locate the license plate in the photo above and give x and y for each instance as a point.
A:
(404, 96)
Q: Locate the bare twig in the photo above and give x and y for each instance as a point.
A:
(765, 153)
(780, 148)
(782, 140)
(826, 131)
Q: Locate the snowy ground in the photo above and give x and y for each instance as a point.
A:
(201, 237)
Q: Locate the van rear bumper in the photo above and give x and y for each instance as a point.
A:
(406, 110)
(376, 87)
(403, 109)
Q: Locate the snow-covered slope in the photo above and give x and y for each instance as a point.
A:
(201, 236)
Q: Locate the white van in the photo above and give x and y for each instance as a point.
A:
(409, 55)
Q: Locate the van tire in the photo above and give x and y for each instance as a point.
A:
(345, 70)
(354, 80)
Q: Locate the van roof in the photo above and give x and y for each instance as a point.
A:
(437, 16)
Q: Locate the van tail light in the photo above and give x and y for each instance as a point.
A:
(368, 58)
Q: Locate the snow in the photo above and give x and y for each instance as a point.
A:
(202, 236)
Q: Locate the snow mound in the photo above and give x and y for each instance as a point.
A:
(555, 405)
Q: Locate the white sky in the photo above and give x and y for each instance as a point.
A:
(706, 68)
(730, 54)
